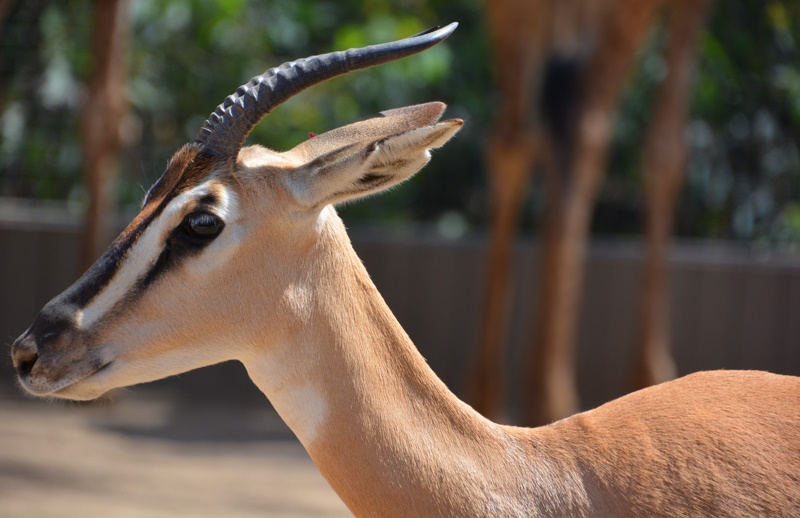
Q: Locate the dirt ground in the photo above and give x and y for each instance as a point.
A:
(146, 454)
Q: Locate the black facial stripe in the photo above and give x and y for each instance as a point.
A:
(162, 264)
(187, 169)
(103, 270)
(59, 313)
(176, 250)
(159, 267)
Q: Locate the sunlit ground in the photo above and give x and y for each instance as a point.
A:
(144, 453)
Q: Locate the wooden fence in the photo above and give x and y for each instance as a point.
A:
(731, 308)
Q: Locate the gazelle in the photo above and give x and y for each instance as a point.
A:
(561, 67)
(238, 253)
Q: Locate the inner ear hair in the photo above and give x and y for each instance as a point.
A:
(361, 169)
(388, 123)
(414, 141)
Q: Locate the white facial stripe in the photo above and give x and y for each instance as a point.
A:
(228, 207)
(146, 250)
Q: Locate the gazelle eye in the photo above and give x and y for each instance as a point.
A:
(201, 226)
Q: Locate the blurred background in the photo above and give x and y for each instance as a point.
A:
(622, 206)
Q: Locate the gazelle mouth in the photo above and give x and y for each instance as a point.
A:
(64, 386)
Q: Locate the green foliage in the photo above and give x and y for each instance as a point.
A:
(185, 57)
(744, 172)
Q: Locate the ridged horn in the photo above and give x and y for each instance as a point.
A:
(227, 127)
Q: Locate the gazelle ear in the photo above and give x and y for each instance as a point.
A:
(366, 167)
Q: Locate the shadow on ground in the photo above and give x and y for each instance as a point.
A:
(204, 444)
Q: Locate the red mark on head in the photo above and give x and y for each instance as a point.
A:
(311, 135)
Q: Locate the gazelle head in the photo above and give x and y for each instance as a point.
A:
(223, 230)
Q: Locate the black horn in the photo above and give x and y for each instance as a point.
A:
(227, 128)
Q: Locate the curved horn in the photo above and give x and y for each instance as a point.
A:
(227, 128)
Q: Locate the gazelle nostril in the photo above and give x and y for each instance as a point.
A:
(24, 357)
(25, 365)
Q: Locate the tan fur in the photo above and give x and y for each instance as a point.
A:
(293, 302)
(398, 442)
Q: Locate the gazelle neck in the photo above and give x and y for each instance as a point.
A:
(382, 428)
